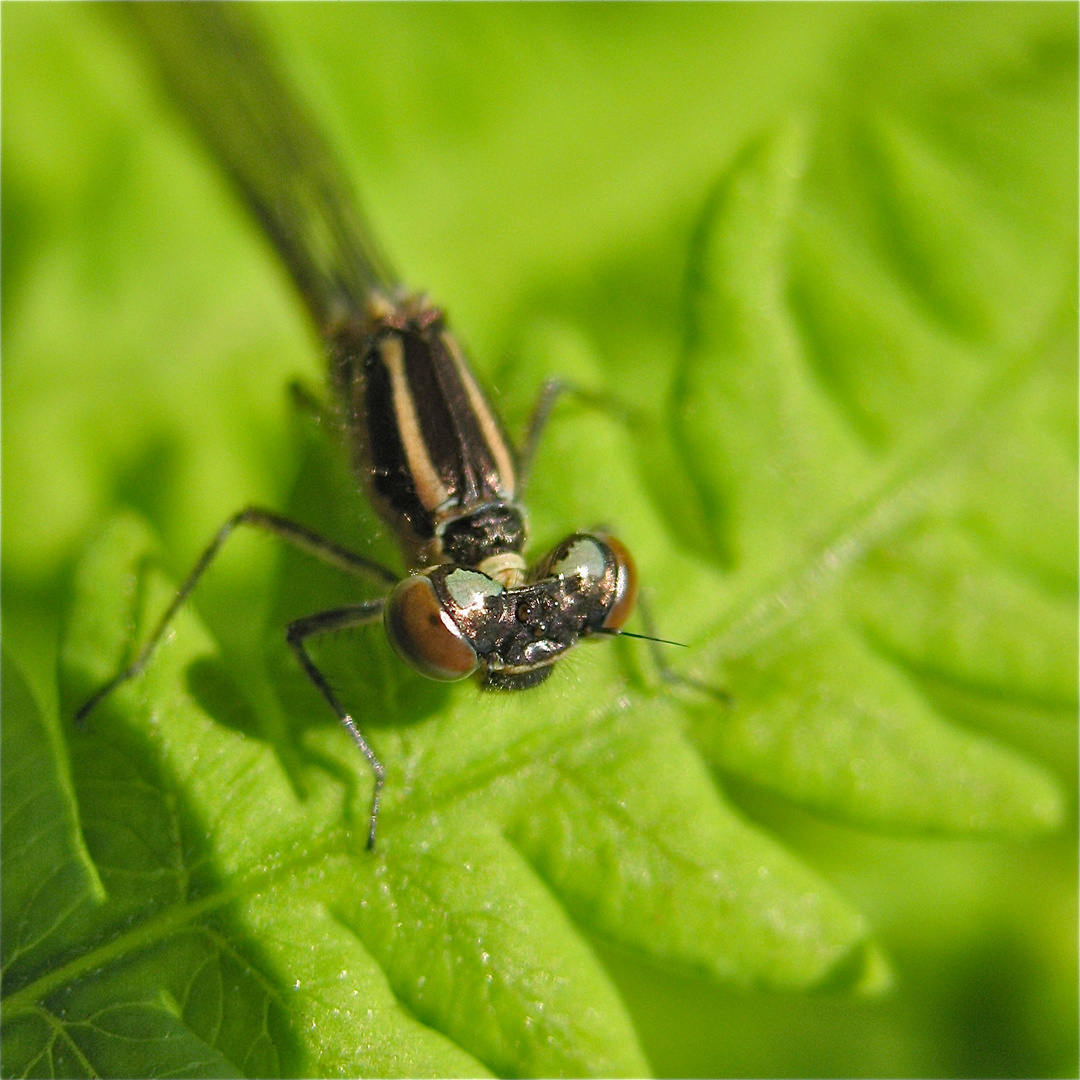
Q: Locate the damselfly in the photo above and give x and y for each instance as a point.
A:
(425, 441)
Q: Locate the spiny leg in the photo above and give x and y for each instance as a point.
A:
(326, 622)
(667, 672)
(546, 400)
(303, 538)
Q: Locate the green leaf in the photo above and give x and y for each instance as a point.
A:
(49, 880)
(831, 281)
(825, 722)
(891, 530)
(206, 936)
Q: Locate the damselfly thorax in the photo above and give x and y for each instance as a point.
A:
(425, 442)
(433, 453)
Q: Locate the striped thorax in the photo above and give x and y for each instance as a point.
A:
(426, 442)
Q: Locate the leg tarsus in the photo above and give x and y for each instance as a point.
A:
(666, 671)
(326, 622)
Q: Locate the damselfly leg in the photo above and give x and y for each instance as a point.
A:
(546, 400)
(326, 622)
(298, 631)
(291, 532)
(670, 675)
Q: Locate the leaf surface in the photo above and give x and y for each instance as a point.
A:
(845, 460)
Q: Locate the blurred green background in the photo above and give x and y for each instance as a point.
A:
(510, 157)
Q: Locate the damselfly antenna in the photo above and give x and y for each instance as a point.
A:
(642, 637)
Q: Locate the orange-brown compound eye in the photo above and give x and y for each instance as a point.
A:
(625, 586)
(424, 635)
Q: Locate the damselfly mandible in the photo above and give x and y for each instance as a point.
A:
(426, 443)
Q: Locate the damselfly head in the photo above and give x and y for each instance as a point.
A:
(450, 621)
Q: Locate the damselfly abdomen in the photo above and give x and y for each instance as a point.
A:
(425, 442)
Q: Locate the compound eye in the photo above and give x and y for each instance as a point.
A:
(625, 586)
(582, 558)
(424, 635)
